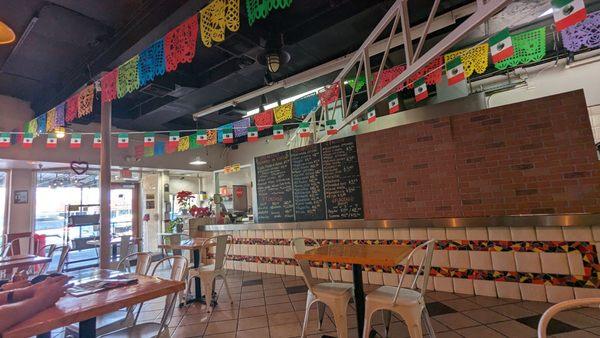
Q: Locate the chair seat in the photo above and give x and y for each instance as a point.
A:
(385, 295)
(333, 288)
(144, 330)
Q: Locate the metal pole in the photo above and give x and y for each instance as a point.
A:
(105, 127)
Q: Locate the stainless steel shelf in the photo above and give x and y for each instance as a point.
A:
(561, 220)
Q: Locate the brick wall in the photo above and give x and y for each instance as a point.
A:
(535, 157)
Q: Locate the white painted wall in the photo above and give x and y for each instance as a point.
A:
(21, 216)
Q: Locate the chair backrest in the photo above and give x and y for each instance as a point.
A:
(21, 246)
(142, 263)
(299, 247)
(124, 246)
(221, 250)
(5, 251)
(424, 267)
(46, 251)
(58, 266)
(179, 268)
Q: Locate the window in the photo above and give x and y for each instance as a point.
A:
(3, 178)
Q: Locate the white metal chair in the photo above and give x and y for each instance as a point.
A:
(46, 251)
(334, 295)
(179, 266)
(123, 318)
(556, 308)
(56, 266)
(406, 302)
(209, 272)
(5, 250)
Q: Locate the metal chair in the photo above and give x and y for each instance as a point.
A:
(556, 308)
(21, 246)
(334, 295)
(5, 250)
(123, 318)
(179, 266)
(406, 302)
(62, 258)
(209, 272)
(46, 251)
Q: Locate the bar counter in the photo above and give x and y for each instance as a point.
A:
(530, 257)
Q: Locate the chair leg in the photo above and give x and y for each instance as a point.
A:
(227, 289)
(428, 324)
(310, 298)
(412, 318)
(387, 320)
(207, 288)
(340, 317)
(367, 325)
(321, 312)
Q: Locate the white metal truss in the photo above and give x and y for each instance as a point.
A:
(398, 13)
(438, 23)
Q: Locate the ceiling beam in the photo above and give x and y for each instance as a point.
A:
(440, 22)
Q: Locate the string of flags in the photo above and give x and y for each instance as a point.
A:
(179, 46)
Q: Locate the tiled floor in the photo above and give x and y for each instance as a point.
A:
(266, 305)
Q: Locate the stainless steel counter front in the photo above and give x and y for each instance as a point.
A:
(564, 220)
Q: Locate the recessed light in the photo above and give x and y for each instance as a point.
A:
(197, 161)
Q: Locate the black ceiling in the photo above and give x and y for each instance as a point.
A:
(73, 41)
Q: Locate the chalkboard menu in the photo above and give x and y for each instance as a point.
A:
(309, 200)
(320, 181)
(341, 179)
(274, 187)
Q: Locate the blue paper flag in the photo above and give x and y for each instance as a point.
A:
(305, 105)
(151, 62)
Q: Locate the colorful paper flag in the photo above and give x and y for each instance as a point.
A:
(123, 141)
(149, 139)
(331, 126)
(252, 134)
(304, 129)
(278, 132)
(27, 140)
(51, 141)
(201, 137)
(501, 46)
(455, 71)
(4, 140)
(97, 141)
(173, 140)
(393, 103)
(567, 13)
(354, 125)
(420, 90)
(227, 136)
(372, 116)
(75, 141)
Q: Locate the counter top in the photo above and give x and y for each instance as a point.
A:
(561, 220)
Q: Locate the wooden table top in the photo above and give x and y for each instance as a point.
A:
(190, 244)
(365, 254)
(113, 241)
(21, 261)
(70, 309)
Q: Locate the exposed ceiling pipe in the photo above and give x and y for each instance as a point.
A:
(23, 37)
(440, 22)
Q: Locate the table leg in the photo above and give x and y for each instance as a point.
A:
(114, 251)
(197, 280)
(87, 328)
